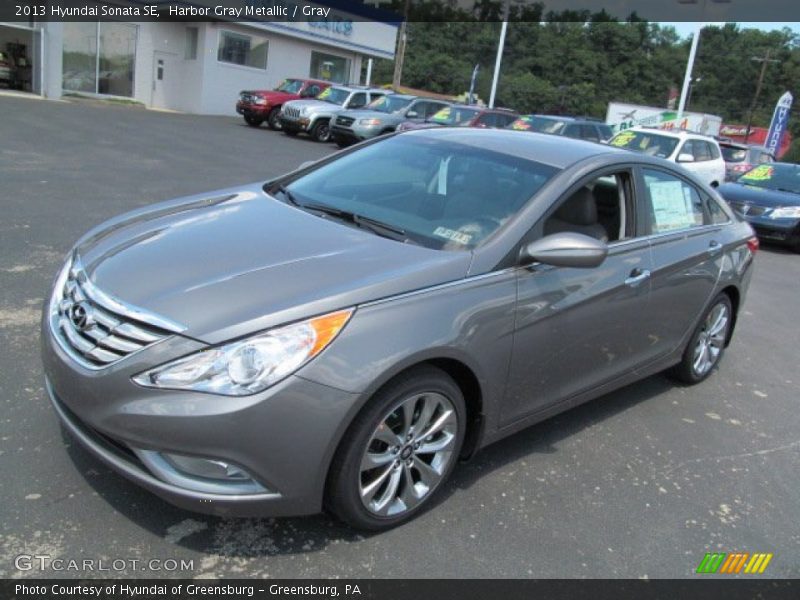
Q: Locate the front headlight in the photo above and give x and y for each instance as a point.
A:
(369, 122)
(252, 364)
(785, 212)
(260, 101)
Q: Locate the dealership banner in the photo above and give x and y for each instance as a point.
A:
(780, 120)
(403, 589)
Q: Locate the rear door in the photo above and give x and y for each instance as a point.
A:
(687, 254)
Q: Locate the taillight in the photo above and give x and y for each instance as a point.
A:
(752, 244)
(742, 168)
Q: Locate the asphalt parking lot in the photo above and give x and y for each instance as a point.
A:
(640, 483)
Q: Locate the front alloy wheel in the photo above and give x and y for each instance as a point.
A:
(398, 451)
(408, 454)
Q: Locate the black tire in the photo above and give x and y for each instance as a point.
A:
(273, 119)
(342, 143)
(253, 121)
(686, 371)
(343, 496)
(290, 132)
(321, 132)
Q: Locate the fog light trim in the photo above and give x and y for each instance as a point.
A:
(207, 475)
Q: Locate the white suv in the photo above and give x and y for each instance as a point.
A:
(695, 152)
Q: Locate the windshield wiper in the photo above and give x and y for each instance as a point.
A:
(375, 226)
(288, 195)
(780, 189)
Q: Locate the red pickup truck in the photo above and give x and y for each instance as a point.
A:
(257, 106)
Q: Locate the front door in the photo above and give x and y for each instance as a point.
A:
(577, 329)
(164, 80)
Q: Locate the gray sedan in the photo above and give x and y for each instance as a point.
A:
(339, 337)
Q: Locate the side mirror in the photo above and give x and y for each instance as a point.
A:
(685, 157)
(412, 114)
(566, 249)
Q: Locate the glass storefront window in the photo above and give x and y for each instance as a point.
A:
(330, 67)
(245, 50)
(80, 57)
(117, 59)
(107, 69)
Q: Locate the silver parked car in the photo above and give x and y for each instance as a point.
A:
(338, 337)
(382, 116)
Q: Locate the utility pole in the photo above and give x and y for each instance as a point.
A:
(764, 61)
(401, 49)
(687, 78)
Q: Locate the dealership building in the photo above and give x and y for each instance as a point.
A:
(196, 67)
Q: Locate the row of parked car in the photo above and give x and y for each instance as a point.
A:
(764, 194)
(347, 114)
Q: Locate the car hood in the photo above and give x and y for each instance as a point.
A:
(238, 261)
(371, 114)
(273, 96)
(314, 105)
(739, 192)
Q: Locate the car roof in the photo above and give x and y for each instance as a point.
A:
(360, 88)
(680, 133)
(556, 151)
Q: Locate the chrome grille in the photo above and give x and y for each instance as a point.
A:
(96, 329)
(345, 121)
(292, 112)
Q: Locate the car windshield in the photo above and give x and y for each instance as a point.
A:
(438, 194)
(389, 104)
(774, 176)
(454, 115)
(733, 153)
(645, 142)
(537, 124)
(290, 86)
(334, 95)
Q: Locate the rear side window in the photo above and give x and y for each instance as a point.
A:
(588, 132)
(714, 150)
(573, 131)
(716, 213)
(673, 204)
(605, 132)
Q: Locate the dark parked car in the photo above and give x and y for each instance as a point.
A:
(265, 105)
(573, 127)
(465, 115)
(363, 322)
(740, 158)
(768, 197)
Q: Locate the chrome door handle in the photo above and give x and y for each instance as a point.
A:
(714, 247)
(636, 277)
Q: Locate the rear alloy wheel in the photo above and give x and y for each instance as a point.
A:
(399, 451)
(273, 119)
(321, 131)
(253, 121)
(707, 344)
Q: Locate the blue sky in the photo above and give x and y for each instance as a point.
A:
(686, 29)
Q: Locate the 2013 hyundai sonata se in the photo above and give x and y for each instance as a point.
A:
(338, 337)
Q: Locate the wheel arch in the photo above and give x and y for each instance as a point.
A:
(459, 369)
(735, 297)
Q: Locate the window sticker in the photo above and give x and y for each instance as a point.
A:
(521, 124)
(623, 139)
(672, 205)
(760, 173)
(442, 114)
(325, 94)
(455, 236)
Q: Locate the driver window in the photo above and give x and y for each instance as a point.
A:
(600, 209)
(358, 100)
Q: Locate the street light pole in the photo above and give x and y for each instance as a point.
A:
(401, 50)
(687, 78)
(498, 60)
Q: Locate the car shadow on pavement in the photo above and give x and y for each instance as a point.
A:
(237, 538)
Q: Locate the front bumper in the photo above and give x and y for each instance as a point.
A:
(777, 230)
(295, 123)
(353, 133)
(284, 437)
(255, 110)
